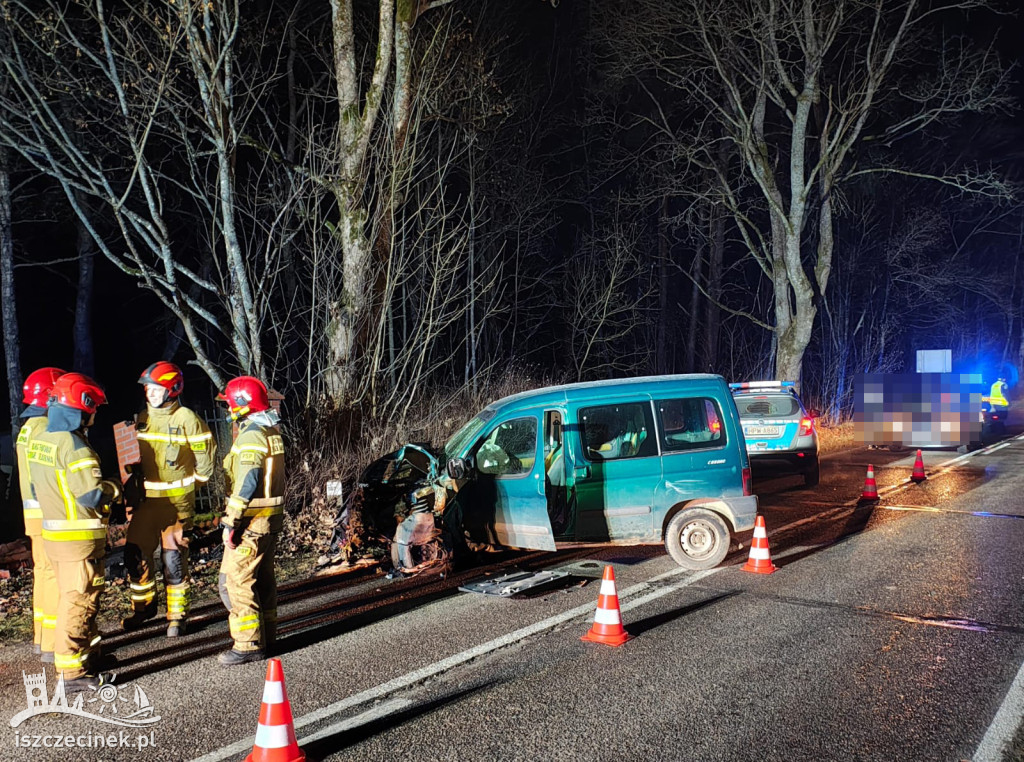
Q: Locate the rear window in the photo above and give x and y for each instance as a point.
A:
(767, 407)
(690, 424)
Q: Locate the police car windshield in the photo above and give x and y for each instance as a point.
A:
(763, 406)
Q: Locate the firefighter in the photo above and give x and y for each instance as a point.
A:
(36, 396)
(253, 518)
(177, 450)
(997, 396)
(75, 501)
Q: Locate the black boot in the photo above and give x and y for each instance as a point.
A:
(176, 628)
(233, 657)
(88, 682)
(139, 618)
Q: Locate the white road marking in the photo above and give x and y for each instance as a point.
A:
(1004, 725)
(1000, 447)
(432, 670)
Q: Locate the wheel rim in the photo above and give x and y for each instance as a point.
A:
(698, 539)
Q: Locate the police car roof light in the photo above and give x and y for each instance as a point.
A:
(762, 385)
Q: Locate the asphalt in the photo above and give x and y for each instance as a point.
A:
(890, 632)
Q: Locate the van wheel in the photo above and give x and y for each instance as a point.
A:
(813, 476)
(697, 539)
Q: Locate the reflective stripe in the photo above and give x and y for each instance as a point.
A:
(202, 479)
(249, 448)
(95, 640)
(607, 616)
(273, 692)
(29, 503)
(59, 530)
(143, 586)
(37, 614)
(267, 474)
(32, 513)
(70, 508)
(81, 465)
(50, 622)
(70, 661)
(273, 736)
(170, 489)
(265, 502)
(245, 623)
(255, 513)
(152, 436)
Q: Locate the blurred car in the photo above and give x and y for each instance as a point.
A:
(778, 429)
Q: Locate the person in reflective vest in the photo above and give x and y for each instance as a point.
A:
(177, 452)
(75, 501)
(253, 518)
(997, 396)
(36, 395)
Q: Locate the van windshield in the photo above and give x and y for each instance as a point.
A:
(458, 441)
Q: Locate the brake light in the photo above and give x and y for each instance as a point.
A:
(806, 426)
(747, 487)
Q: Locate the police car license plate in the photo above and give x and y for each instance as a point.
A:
(762, 431)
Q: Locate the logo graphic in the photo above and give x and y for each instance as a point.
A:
(107, 705)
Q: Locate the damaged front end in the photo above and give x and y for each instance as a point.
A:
(398, 511)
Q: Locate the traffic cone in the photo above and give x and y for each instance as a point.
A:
(870, 488)
(918, 476)
(607, 627)
(760, 559)
(275, 734)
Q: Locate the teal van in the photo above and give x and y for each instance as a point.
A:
(630, 461)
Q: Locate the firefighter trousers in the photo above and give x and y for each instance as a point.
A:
(157, 523)
(44, 597)
(76, 635)
(248, 589)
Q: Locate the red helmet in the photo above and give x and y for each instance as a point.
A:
(78, 391)
(165, 374)
(245, 395)
(39, 384)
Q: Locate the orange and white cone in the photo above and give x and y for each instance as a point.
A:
(918, 476)
(870, 488)
(275, 734)
(607, 627)
(760, 559)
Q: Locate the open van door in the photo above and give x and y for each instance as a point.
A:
(503, 501)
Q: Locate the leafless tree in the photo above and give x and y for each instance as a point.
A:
(795, 87)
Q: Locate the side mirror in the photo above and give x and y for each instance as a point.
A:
(457, 468)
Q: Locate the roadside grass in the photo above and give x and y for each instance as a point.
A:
(836, 437)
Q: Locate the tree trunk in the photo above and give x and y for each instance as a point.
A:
(84, 355)
(12, 346)
(664, 252)
(696, 273)
(713, 319)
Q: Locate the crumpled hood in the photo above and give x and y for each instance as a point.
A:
(63, 418)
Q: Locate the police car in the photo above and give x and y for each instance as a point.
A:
(777, 426)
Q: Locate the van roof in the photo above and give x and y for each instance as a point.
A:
(609, 388)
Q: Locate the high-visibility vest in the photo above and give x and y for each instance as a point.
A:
(997, 394)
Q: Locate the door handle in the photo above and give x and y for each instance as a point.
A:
(582, 472)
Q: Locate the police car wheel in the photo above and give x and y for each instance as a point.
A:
(697, 539)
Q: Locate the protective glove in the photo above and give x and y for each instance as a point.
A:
(133, 489)
(232, 536)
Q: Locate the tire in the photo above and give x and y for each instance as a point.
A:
(813, 476)
(697, 539)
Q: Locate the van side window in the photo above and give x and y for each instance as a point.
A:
(690, 424)
(615, 432)
(509, 449)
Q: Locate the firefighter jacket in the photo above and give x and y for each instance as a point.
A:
(35, 423)
(255, 472)
(66, 480)
(177, 451)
